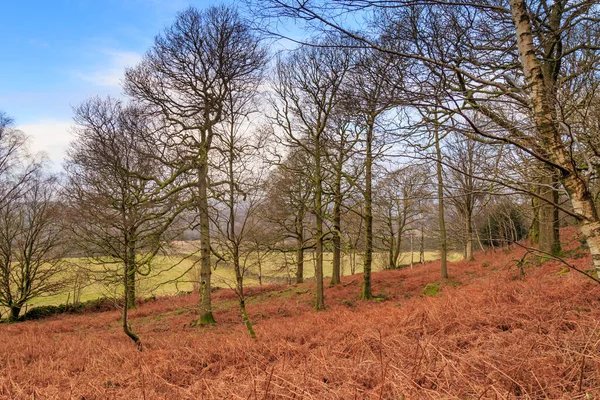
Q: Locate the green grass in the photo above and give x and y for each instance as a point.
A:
(173, 274)
(431, 289)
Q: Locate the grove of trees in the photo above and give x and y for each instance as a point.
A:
(388, 127)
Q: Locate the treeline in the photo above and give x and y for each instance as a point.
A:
(470, 125)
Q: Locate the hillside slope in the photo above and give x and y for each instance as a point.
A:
(489, 333)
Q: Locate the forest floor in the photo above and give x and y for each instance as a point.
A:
(497, 329)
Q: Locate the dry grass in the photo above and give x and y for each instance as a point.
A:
(488, 334)
(174, 274)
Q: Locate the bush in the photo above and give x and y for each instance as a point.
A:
(48, 311)
(97, 305)
(503, 224)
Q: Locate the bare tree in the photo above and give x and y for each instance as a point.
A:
(288, 197)
(467, 162)
(201, 60)
(340, 142)
(374, 87)
(307, 87)
(506, 62)
(440, 199)
(33, 245)
(240, 169)
(398, 205)
(118, 212)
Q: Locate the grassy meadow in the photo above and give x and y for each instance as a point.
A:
(177, 273)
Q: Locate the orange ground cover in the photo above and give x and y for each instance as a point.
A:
(488, 334)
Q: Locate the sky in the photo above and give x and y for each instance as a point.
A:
(58, 53)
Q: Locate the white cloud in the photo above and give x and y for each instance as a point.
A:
(49, 137)
(111, 71)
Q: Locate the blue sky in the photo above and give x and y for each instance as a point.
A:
(57, 53)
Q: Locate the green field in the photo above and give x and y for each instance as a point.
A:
(173, 274)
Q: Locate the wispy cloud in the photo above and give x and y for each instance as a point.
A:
(110, 72)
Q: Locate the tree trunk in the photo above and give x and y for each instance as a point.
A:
(206, 315)
(422, 245)
(534, 229)
(367, 290)
(239, 279)
(125, 319)
(479, 241)
(337, 248)
(14, 313)
(549, 240)
(337, 222)
(412, 248)
(492, 239)
(469, 234)
(320, 298)
(556, 246)
(398, 249)
(337, 256)
(300, 262)
(392, 239)
(246, 319)
(130, 270)
(300, 249)
(442, 222)
(259, 262)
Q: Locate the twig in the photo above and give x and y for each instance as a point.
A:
(531, 250)
(269, 383)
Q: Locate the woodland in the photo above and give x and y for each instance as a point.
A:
(319, 152)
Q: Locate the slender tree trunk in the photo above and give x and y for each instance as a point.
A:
(392, 240)
(367, 290)
(239, 278)
(337, 220)
(546, 215)
(412, 248)
(131, 275)
(492, 239)
(206, 315)
(300, 250)
(299, 263)
(259, 263)
(246, 319)
(442, 222)
(125, 319)
(422, 244)
(337, 236)
(479, 241)
(534, 229)
(320, 299)
(398, 249)
(556, 246)
(469, 234)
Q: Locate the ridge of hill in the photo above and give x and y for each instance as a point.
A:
(489, 332)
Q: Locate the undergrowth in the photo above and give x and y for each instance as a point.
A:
(491, 337)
